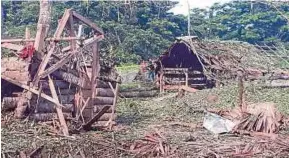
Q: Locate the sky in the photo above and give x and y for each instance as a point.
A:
(182, 7)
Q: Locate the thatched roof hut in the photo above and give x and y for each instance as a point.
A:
(210, 57)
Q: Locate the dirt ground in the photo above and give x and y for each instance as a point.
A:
(178, 120)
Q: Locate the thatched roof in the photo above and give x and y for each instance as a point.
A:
(225, 56)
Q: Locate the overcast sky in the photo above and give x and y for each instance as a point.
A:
(182, 7)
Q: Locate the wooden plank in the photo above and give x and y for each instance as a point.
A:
(12, 46)
(39, 39)
(86, 43)
(113, 106)
(27, 35)
(95, 117)
(50, 39)
(42, 27)
(186, 79)
(24, 86)
(71, 30)
(43, 65)
(71, 78)
(62, 23)
(58, 109)
(57, 65)
(16, 75)
(88, 22)
(63, 61)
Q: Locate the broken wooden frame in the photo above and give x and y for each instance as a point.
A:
(172, 71)
(67, 21)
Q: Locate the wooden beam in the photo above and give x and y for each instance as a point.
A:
(27, 34)
(12, 46)
(52, 39)
(30, 89)
(58, 109)
(71, 31)
(88, 22)
(39, 39)
(43, 65)
(59, 64)
(86, 43)
(64, 60)
(95, 69)
(95, 118)
(114, 105)
(62, 23)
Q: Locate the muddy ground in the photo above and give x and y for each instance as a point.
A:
(179, 121)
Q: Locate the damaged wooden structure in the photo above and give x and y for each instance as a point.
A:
(199, 64)
(60, 77)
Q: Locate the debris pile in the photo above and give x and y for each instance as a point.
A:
(261, 117)
(61, 80)
(222, 59)
(152, 145)
(258, 147)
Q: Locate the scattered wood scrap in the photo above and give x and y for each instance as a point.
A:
(261, 117)
(152, 145)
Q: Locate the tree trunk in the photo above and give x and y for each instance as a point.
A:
(42, 27)
(42, 30)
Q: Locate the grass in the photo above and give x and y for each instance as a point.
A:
(127, 68)
(137, 117)
(140, 115)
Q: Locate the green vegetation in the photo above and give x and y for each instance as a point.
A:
(143, 29)
(127, 68)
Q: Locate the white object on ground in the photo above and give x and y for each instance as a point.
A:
(217, 124)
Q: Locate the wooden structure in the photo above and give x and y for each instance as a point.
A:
(64, 77)
(174, 78)
(179, 67)
(195, 63)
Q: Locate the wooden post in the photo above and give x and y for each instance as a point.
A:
(42, 30)
(95, 70)
(87, 125)
(63, 127)
(71, 30)
(42, 27)
(27, 34)
(161, 82)
(186, 74)
(110, 121)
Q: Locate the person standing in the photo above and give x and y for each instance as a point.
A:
(151, 70)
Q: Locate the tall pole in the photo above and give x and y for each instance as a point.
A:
(189, 18)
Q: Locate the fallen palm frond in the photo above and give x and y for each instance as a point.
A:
(261, 117)
(152, 145)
